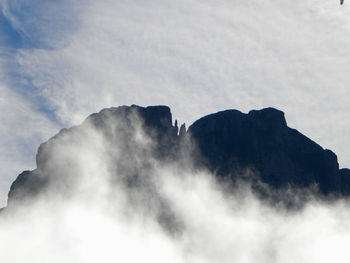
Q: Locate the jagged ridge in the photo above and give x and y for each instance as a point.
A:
(227, 143)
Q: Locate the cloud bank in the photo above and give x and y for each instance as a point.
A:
(95, 214)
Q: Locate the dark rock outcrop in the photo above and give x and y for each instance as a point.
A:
(26, 185)
(126, 133)
(228, 143)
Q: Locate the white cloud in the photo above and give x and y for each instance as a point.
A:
(217, 227)
(99, 221)
(200, 57)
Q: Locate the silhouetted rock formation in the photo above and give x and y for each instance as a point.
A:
(227, 143)
(261, 140)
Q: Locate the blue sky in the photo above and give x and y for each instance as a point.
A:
(62, 60)
(14, 39)
(9, 36)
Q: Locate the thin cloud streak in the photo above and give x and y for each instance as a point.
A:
(22, 130)
(199, 57)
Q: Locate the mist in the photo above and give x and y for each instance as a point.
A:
(110, 198)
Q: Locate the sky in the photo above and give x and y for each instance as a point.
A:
(63, 60)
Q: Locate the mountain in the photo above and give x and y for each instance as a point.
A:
(130, 141)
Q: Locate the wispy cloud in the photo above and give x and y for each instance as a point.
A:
(23, 129)
(119, 222)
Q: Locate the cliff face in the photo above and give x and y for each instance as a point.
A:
(226, 143)
(124, 140)
(262, 141)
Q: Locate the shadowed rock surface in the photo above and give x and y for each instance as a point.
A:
(228, 143)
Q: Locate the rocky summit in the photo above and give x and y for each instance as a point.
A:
(258, 147)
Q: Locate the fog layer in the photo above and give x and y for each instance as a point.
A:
(111, 199)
